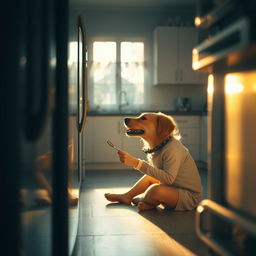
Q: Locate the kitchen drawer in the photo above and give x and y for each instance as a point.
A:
(187, 121)
(190, 135)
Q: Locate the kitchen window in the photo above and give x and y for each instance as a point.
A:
(117, 75)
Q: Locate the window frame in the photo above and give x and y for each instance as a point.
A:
(117, 40)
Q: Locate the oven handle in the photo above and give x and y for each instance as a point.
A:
(227, 214)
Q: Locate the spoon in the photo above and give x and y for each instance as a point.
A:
(112, 145)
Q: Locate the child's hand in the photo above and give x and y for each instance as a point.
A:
(127, 159)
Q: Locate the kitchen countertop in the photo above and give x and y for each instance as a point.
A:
(134, 113)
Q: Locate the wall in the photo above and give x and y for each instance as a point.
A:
(140, 24)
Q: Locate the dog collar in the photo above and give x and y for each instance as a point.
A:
(158, 147)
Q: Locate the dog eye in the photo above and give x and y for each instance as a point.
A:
(143, 118)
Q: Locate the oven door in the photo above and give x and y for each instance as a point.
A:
(240, 141)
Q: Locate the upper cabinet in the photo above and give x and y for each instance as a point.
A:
(173, 56)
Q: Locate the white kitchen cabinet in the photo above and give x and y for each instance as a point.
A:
(103, 128)
(190, 131)
(165, 59)
(106, 128)
(173, 56)
(99, 129)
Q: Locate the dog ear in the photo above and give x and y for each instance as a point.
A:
(165, 126)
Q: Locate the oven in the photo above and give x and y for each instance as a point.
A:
(226, 220)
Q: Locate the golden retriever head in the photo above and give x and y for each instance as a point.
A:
(152, 127)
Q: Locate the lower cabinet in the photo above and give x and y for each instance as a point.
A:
(99, 129)
(190, 129)
(194, 135)
(102, 129)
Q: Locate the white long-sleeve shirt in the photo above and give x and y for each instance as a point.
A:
(173, 165)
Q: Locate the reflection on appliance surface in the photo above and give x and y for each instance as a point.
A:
(240, 140)
(43, 163)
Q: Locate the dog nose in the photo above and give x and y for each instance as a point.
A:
(126, 120)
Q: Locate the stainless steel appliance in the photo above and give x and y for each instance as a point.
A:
(226, 221)
(42, 125)
(77, 110)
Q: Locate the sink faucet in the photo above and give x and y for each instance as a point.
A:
(123, 101)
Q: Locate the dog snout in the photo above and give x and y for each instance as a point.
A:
(127, 120)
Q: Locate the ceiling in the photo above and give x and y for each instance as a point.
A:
(136, 4)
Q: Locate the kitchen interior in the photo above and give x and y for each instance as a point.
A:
(78, 69)
(166, 83)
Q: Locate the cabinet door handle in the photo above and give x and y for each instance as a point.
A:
(181, 75)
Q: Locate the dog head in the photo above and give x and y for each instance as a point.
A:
(152, 127)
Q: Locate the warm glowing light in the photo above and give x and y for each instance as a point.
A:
(196, 65)
(233, 85)
(74, 192)
(195, 51)
(210, 87)
(200, 208)
(117, 190)
(254, 87)
(197, 21)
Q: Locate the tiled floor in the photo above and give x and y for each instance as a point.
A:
(114, 229)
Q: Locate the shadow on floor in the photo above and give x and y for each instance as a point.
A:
(112, 229)
(180, 226)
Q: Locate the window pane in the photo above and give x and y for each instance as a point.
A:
(104, 73)
(132, 71)
(104, 51)
(132, 52)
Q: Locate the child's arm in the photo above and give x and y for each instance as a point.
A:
(166, 175)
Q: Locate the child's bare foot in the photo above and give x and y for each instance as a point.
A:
(136, 200)
(142, 206)
(121, 198)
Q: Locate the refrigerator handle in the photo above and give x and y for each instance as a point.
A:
(81, 123)
(224, 213)
(37, 77)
